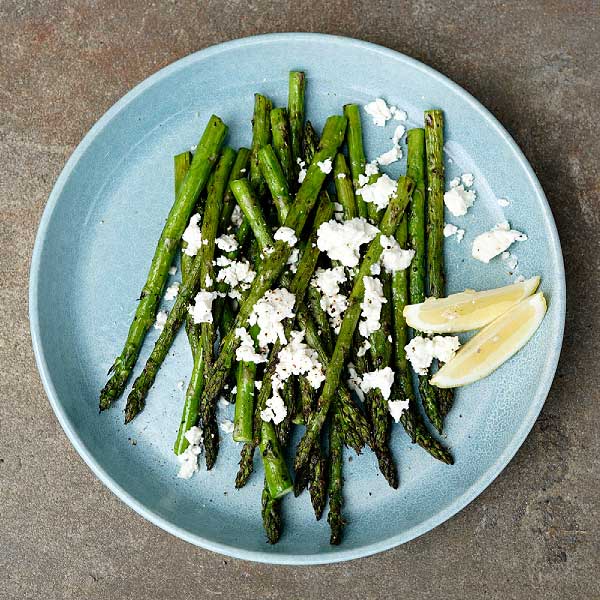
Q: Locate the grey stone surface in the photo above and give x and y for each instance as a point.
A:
(534, 533)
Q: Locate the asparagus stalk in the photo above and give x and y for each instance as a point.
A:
(310, 143)
(227, 318)
(344, 188)
(181, 164)
(261, 135)
(271, 515)
(356, 153)
(297, 83)
(275, 262)
(415, 168)
(246, 465)
(277, 476)
(317, 486)
(248, 202)
(388, 225)
(336, 482)
(205, 157)
(381, 357)
(189, 418)
(238, 171)
(244, 403)
(137, 397)
(276, 181)
(416, 236)
(280, 131)
(403, 390)
(434, 147)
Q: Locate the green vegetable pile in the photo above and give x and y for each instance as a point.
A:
(263, 182)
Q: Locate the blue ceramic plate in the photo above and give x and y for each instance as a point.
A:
(97, 237)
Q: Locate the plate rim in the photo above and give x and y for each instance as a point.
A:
(337, 555)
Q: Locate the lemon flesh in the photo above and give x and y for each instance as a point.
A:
(467, 310)
(493, 345)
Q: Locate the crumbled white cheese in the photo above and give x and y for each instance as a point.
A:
(375, 269)
(226, 243)
(379, 192)
(398, 133)
(494, 242)
(467, 179)
(275, 409)
(297, 358)
(354, 382)
(235, 273)
(188, 460)
(458, 200)
(258, 385)
(382, 379)
(266, 251)
(341, 175)
(192, 236)
(342, 241)
(223, 402)
(161, 320)
(172, 270)
(421, 351)
(391, 156)
(293, 259)
(503, 202)
(371, 306)
(365, 346)
(172, 291)
(510, 260)
(454, 182)
(325, 165)
(399, 115)
(397, 408)
(451, 229)
(246, 351)
(287, 235)
(379, 111)
(394, 258)
(328, 281)
(237, 216)
(371, 168)
(302, 171)
(201, 310)
(269, 313)
(445, 347)
(226, 426)
(208, 281)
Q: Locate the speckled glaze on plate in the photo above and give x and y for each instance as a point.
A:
(97, 236)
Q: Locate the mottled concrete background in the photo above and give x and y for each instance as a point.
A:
(534, 532)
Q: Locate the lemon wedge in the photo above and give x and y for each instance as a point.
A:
(467, 310)
(493, 345)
